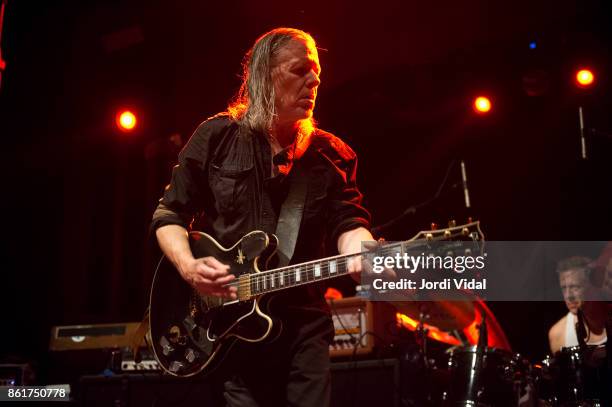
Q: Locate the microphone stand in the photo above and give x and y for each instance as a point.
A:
(377, 230)
(480, 362)
(581, 333)
(591, 132)
(583, 150)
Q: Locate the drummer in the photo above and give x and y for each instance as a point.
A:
(575, 282)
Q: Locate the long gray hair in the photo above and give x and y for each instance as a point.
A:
(253, 106)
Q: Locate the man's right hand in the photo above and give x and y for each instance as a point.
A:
(209, 276)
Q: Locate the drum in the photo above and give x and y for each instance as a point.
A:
(492, 377)
(573, 377)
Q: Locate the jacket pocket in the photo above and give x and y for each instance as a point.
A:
(230, 187)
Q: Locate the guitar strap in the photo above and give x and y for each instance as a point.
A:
(291, 213)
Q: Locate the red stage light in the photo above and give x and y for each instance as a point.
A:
(482, 105)
(585, 78)
(126, 120)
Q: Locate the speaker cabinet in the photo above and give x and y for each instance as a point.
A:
(366, 383)
(354, 384)
(146, 389)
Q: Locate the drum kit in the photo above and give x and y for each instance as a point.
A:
(574, 376)
(478, 368)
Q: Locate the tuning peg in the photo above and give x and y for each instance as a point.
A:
(452, 223)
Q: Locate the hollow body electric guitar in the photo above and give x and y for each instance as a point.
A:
(190, 332)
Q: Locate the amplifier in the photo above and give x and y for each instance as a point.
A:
(136, 389)
(77, 350)
(12, 374)
(100, 336)
(361, 383)
(366, 383)
(361, 326)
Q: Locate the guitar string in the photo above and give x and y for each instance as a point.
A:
(388, 248)
(309, 269)
(264, 281)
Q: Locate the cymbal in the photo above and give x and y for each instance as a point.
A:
(437, 310)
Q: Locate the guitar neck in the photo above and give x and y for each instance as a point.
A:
(299, 274)
(336, 266)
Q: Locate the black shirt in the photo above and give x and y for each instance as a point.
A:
(225, 184)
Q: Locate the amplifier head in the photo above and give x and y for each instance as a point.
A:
(360, 326)
(100, 336)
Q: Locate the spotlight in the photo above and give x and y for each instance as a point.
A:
(585, 78)
(533, 45)
(482, 105)
(126, 121)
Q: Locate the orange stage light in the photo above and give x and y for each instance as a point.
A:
(482, 105)
(332, 294)
(432, 331)
(126, 121)
(585, 78)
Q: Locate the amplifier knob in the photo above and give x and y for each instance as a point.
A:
(191, 355)
(165, 345)
(175, 366)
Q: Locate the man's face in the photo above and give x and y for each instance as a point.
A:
(296, 79)
(573, 284)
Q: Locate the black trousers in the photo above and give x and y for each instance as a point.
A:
(293, 370)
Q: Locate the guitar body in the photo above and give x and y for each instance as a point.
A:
(190, 333)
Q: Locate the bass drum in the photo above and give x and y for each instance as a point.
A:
(574, 377)
(493, 377)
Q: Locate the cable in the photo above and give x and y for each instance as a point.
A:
(413, 209)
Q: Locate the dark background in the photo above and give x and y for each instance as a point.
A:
(397, 82)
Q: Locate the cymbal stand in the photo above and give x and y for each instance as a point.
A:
(481, 359)
(421, 339)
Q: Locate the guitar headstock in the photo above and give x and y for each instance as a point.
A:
(465, 239)
(469, 231)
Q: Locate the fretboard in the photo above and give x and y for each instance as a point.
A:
(299, 274)
(336, 266)
(310, 272)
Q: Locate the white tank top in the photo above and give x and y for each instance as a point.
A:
(571, 339)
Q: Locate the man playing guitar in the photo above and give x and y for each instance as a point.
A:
(233, 177)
